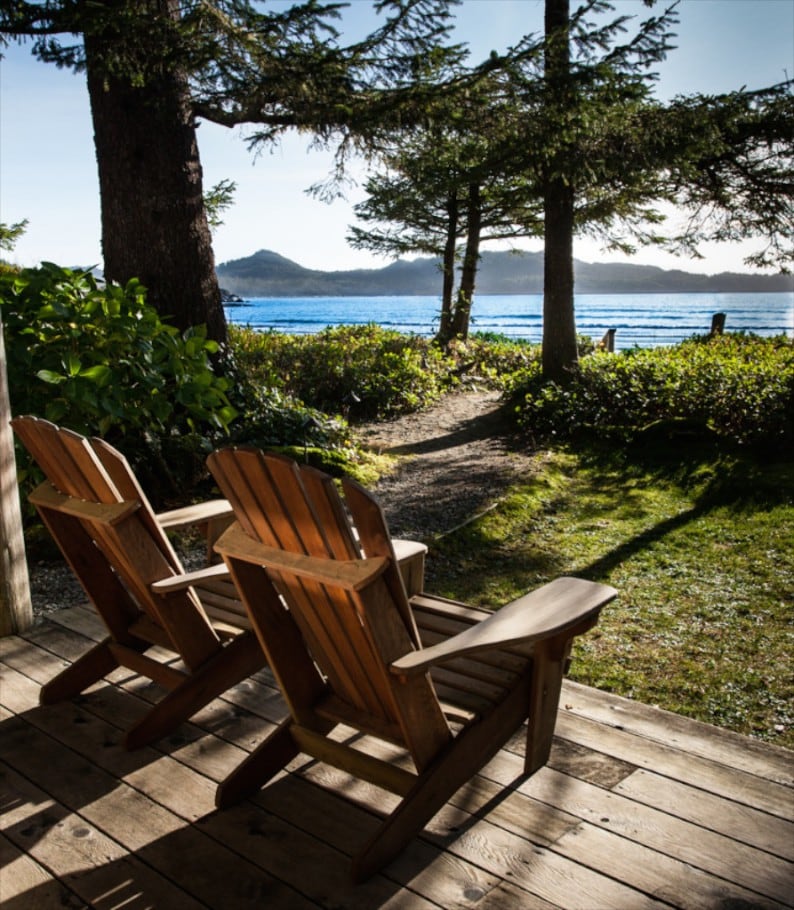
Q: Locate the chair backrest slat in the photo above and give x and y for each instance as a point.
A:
(376, 541)
(275, 508)
(67, 460)
(293, 514)
(331, 514)
(125, 481)
(339, 644)
(253, 506)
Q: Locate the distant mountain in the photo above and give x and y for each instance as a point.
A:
(267, 274)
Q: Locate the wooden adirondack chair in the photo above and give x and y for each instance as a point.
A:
(117, 547)
(448, 683)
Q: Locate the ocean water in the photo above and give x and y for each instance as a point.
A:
(639, 320)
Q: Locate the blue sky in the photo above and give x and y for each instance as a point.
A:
(48, 169)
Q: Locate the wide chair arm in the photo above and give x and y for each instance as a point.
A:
(200, 513)
(190, 579)
(555, 608)
(211, 518)
(45, 496)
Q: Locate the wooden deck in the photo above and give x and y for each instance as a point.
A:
(638, 808)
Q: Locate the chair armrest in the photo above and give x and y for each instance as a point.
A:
(196, 514)
(407, 549)
(557, 607)
(410, 556)
(188, 579)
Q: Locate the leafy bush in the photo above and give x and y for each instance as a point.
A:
(269, 415)
(100, 361)
(494, 357)
(364, 371)
(740, 387)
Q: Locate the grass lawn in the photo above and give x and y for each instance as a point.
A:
(700, 546)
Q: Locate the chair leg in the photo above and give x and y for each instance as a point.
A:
(458, 762)
(548, 668)
(234, 662)
(84, 672)
(275, 753)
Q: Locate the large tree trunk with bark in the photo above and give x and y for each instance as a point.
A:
(560, 351)
(146, 149)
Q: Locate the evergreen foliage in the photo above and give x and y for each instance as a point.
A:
(570, 140)
(153, 67)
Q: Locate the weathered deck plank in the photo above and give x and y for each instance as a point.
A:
(24, 884)
(637, 808)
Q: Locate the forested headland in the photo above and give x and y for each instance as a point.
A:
(267, 274)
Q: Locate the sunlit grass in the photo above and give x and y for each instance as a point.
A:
(701, 549)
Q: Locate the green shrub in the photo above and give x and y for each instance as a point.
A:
(271, 417)
(363, 371)
(100, 361)
(263, 358)
(493, 357)
(740, 387)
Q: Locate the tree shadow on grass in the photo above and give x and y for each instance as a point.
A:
(709, 478)
(712, 478)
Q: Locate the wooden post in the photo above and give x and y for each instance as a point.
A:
(608, 341)
(717, 324)
(16, 610)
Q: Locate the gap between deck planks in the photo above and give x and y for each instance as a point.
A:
(593, 829)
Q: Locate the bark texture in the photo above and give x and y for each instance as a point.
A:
(462, 316)
(154, 226)
(560, 352)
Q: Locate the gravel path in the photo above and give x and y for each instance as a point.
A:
(457, 463)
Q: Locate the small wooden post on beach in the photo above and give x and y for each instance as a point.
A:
(717, 324)
(608, 341)
(16, 611)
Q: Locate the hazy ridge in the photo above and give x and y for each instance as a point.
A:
(268, 274)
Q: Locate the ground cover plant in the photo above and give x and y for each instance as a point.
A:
(97, 358)
(700, 546)
(739, 387)
(361, 371)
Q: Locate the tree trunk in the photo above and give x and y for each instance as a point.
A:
(462, 315)
(154, 226)
(444, 334)
(560, 351)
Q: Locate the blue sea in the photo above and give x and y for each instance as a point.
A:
(640, 320)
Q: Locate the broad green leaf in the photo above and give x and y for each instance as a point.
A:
(73, 364)
(51, 377)
(100, 374)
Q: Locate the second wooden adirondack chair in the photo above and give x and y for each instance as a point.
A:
(117, 547)
(447, 683)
